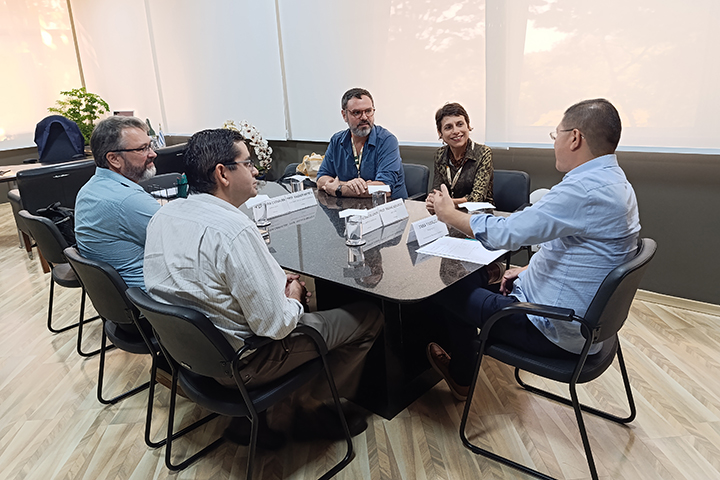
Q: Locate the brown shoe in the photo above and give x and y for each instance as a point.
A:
(440, 361)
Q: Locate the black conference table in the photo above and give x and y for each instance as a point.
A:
(311, 242)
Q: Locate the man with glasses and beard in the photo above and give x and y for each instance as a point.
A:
(112, 210)
(364, 154)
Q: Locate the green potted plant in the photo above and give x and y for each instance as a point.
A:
(83, 108)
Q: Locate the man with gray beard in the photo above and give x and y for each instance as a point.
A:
(111, 210)
(364, 154)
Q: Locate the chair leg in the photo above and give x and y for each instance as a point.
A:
(80, 324)
(481, 451)
(101, 375)
(349, 455)
(583, 432)
(586, 408)
(172, 436)
(67, 327)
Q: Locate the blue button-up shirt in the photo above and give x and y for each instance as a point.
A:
(587, 225)
(111, 217)
(380, 160)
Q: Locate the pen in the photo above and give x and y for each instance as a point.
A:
(3, 172)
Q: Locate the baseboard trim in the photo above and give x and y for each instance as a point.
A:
(677, 302)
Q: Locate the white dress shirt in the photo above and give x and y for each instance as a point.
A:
(207, 254)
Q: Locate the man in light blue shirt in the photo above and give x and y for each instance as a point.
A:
(364, 154)
(111, 210)
(586, 225)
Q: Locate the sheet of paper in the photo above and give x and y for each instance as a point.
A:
(165, 192)
(378, 188)
(348, 212)
(393, 211)
(466, 250)
(476, 206)
(427, 230)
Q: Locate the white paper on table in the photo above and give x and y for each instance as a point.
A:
(475, 206)
(349, 212)
(463, 249)
(427, 230)
(378, 188)
(257, 199)
(393, 211)
(372, 221)
(165, 192)
(302, 199)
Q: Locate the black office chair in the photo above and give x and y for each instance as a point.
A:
(58, 140)
(121, 320)
(23, 232)
(40, 187)
(170, 159)
(198, 353)
(511, 192)
(604, 318)
(51, 244)
(416, 181)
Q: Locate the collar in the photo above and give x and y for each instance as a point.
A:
(116, 177)
(212, 199)
(469, 148)
(603, 161)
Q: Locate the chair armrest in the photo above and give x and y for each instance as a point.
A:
(314, 335)
(254, 342)
(523, 206)
(30, 160)
(557, 313)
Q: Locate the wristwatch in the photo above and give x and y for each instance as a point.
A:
(338, 191)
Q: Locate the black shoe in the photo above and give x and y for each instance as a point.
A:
(324, 423)
(239, 432)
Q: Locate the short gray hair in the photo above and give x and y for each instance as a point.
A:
(107, 134)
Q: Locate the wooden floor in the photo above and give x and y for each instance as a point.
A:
(52, 426)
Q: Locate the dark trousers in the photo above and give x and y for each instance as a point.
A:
(466, 306)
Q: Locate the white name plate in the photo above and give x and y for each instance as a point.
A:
(392, 212)
(283, 204)
(427, 230)
(372, 221)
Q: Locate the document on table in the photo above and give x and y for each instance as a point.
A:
(464, 249)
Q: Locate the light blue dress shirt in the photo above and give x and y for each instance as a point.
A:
(586, 225)
(111, 217)
(380, 160)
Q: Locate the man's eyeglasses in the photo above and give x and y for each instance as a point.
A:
(249, 163)
(144, 149)
(369, 112)
(554, 135)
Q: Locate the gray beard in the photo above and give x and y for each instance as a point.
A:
(361, 131)
(148, 173)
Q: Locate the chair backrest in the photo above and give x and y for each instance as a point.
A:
(40, 187)
(47, 236)
(186, 335)
(611, 304)
(417, 178)
(104, 286)
(170, 159)
(511, 189)
(58, 139)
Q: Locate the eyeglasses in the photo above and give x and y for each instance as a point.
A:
(144, 149)
(369, 112)
(554, 135)
(250, 164)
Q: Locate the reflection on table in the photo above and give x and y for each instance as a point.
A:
(386, 270)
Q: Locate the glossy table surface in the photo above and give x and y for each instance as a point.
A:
(312, 242)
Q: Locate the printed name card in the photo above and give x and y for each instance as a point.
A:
(427, 230)
(372, 221)
(281, 205)
(392, 212)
